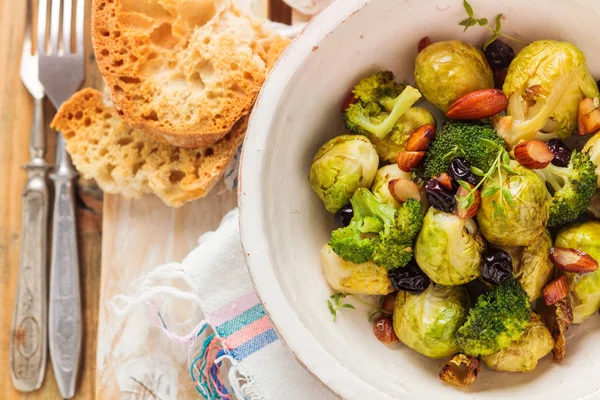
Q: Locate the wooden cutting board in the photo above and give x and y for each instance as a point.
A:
(135, 360)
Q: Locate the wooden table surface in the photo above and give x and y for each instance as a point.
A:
(15, 121)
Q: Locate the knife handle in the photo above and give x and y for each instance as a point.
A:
(28, 350)
(28, 335)
(65, 301)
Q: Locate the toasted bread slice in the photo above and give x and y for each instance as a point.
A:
(125, 161)
(182, 71)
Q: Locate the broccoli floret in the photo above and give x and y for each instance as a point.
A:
(378, 88)
(378, 231)
(499, 318)
(461, 139)
(381, 103)
(570, 189)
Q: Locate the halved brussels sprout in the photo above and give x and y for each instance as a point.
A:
(523, 355)
(380, 184)
(446, 71)
(535, 269)
(427, 322)
(585, 290)
(448, 249)
(346, 277)
(340, 167)
(592, 147)
(544, 85)
(525, 220)
(389, 148)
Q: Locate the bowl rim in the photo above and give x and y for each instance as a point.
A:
(292, 332)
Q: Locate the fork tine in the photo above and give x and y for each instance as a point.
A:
(55, 24)
(41, 26)
(80, 27)
(67, 22)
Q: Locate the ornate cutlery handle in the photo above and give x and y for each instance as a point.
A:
(65, 302)
(28, 350)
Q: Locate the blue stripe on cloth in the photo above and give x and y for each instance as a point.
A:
(240, 321)
(255, 344)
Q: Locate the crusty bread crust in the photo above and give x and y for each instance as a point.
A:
(125, 161)
(184, 72)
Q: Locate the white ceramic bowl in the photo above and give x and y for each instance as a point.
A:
(284, 224)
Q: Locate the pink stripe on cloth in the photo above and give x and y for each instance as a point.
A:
(247, 333)
(236, 307)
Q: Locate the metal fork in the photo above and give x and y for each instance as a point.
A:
(28, 350)
(61, 73)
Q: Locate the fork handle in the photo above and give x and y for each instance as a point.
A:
(65, 301)
(28, 350)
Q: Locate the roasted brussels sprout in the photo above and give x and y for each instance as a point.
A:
(393, 144)
(380, 184)
(346, 277)
(585, 290)
(448, 249)
(544, 85)
(534, 267)
(523, 355)
(525, 219)
(592, 147)
(446, 71)
(340, 167)
(427, 322)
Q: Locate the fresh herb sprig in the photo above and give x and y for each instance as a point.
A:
(501, 162)
(496, 31)
(335, 303)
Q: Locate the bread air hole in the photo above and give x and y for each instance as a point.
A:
(125, 141)
(176, 176)
(151, 116)
(163, 36)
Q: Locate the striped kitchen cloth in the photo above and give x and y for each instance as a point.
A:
(234, 353)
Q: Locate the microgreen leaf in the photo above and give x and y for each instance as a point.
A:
(468, 8)
(490, 144)
(482, 21)
(505, 158)
(330, 306)
(464, 184)
(498, 209)
(490, 191)
(477, 171)
(509, 169)
(508, 196)
(498, 23)
(349, 306)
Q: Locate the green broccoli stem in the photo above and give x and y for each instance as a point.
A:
(401, 104)
(553, 174)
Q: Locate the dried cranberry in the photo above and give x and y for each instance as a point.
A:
(344, 216)
(499, 78)
(439, 197)
(409, 278)
(499, 54)
(460, 170)
(562, 154)
(497, 266)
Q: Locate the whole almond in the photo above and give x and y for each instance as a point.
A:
(473, 209)
(403, 189)
(408, 160)
(383, 328)
(445, 180)
(420, 139)
(588, 116)
(533, 154)
(572, 260)
(479, 104)
(556, 290)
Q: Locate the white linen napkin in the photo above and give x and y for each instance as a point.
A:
(244, 341)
